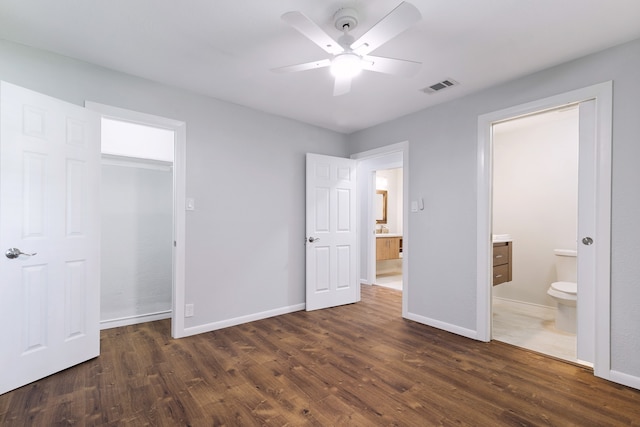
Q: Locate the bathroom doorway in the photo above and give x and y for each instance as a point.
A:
(388, 213)
(393, 156)
(535, 209)
(595, 104)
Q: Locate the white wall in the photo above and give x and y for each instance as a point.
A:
(245, 170)
(137, 240)
(535, 198)
(443, 142)
(121, 138)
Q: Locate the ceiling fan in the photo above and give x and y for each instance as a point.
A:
(350, 56)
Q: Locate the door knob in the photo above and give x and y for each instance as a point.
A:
(14, 253)
(313, 239)
(587, 241)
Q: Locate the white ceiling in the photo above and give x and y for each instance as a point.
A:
(226, 48)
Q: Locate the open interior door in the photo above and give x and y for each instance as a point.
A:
(587, 236)
(49, 236)
(331, 238)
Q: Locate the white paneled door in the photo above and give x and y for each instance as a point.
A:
(49, 236)
(331, 232)
(587, 232)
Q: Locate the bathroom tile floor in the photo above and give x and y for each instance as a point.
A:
(393, 281)
(531, 327)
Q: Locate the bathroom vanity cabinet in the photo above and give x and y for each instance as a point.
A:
(502, 262)
(388, 247)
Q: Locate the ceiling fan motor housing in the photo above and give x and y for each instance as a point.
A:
(345, 19)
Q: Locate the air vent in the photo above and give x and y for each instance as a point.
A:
(437, 87)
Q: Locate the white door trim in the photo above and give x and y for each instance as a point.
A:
(603, 95)
(370, 248)
(370, 227)
(179, 185)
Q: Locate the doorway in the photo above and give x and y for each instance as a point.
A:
(594, 221)
(535, 209)
(163, 174)
(388, 206)
(394, 156)
(136, 217)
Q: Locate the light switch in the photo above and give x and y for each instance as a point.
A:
(191, 205)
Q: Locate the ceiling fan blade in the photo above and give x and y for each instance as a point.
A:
(399, 67)
(342, 86)
(312, 31)
(303, 67)
(397, 21)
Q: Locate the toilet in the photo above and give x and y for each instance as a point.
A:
(565, 290)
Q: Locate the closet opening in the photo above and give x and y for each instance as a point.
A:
(137, 222)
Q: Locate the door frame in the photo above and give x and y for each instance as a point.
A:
(603, 95)
(179, 199)
(368, 249)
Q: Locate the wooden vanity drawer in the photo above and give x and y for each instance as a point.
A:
(502, 262)
(501, 274)
(500, 254)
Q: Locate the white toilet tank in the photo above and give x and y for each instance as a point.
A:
(566, 265)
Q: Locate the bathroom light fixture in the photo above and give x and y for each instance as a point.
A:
(382, 183)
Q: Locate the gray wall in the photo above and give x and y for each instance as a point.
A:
(245, 170)
(443, 147)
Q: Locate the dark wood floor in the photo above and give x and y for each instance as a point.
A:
(356, 365)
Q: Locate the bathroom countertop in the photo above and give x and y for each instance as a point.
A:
(388, 235)
(502, 238)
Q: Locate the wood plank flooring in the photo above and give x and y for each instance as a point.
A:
(355, 365)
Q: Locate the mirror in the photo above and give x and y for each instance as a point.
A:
(380, 206)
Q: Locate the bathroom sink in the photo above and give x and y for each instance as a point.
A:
(497, 238)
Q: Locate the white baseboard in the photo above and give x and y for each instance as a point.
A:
(526, 303)
(208, 327)
(624, 379)
(134, 320)
(468, 333)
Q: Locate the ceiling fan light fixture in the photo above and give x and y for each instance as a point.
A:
(349, 56)
(346, 64)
